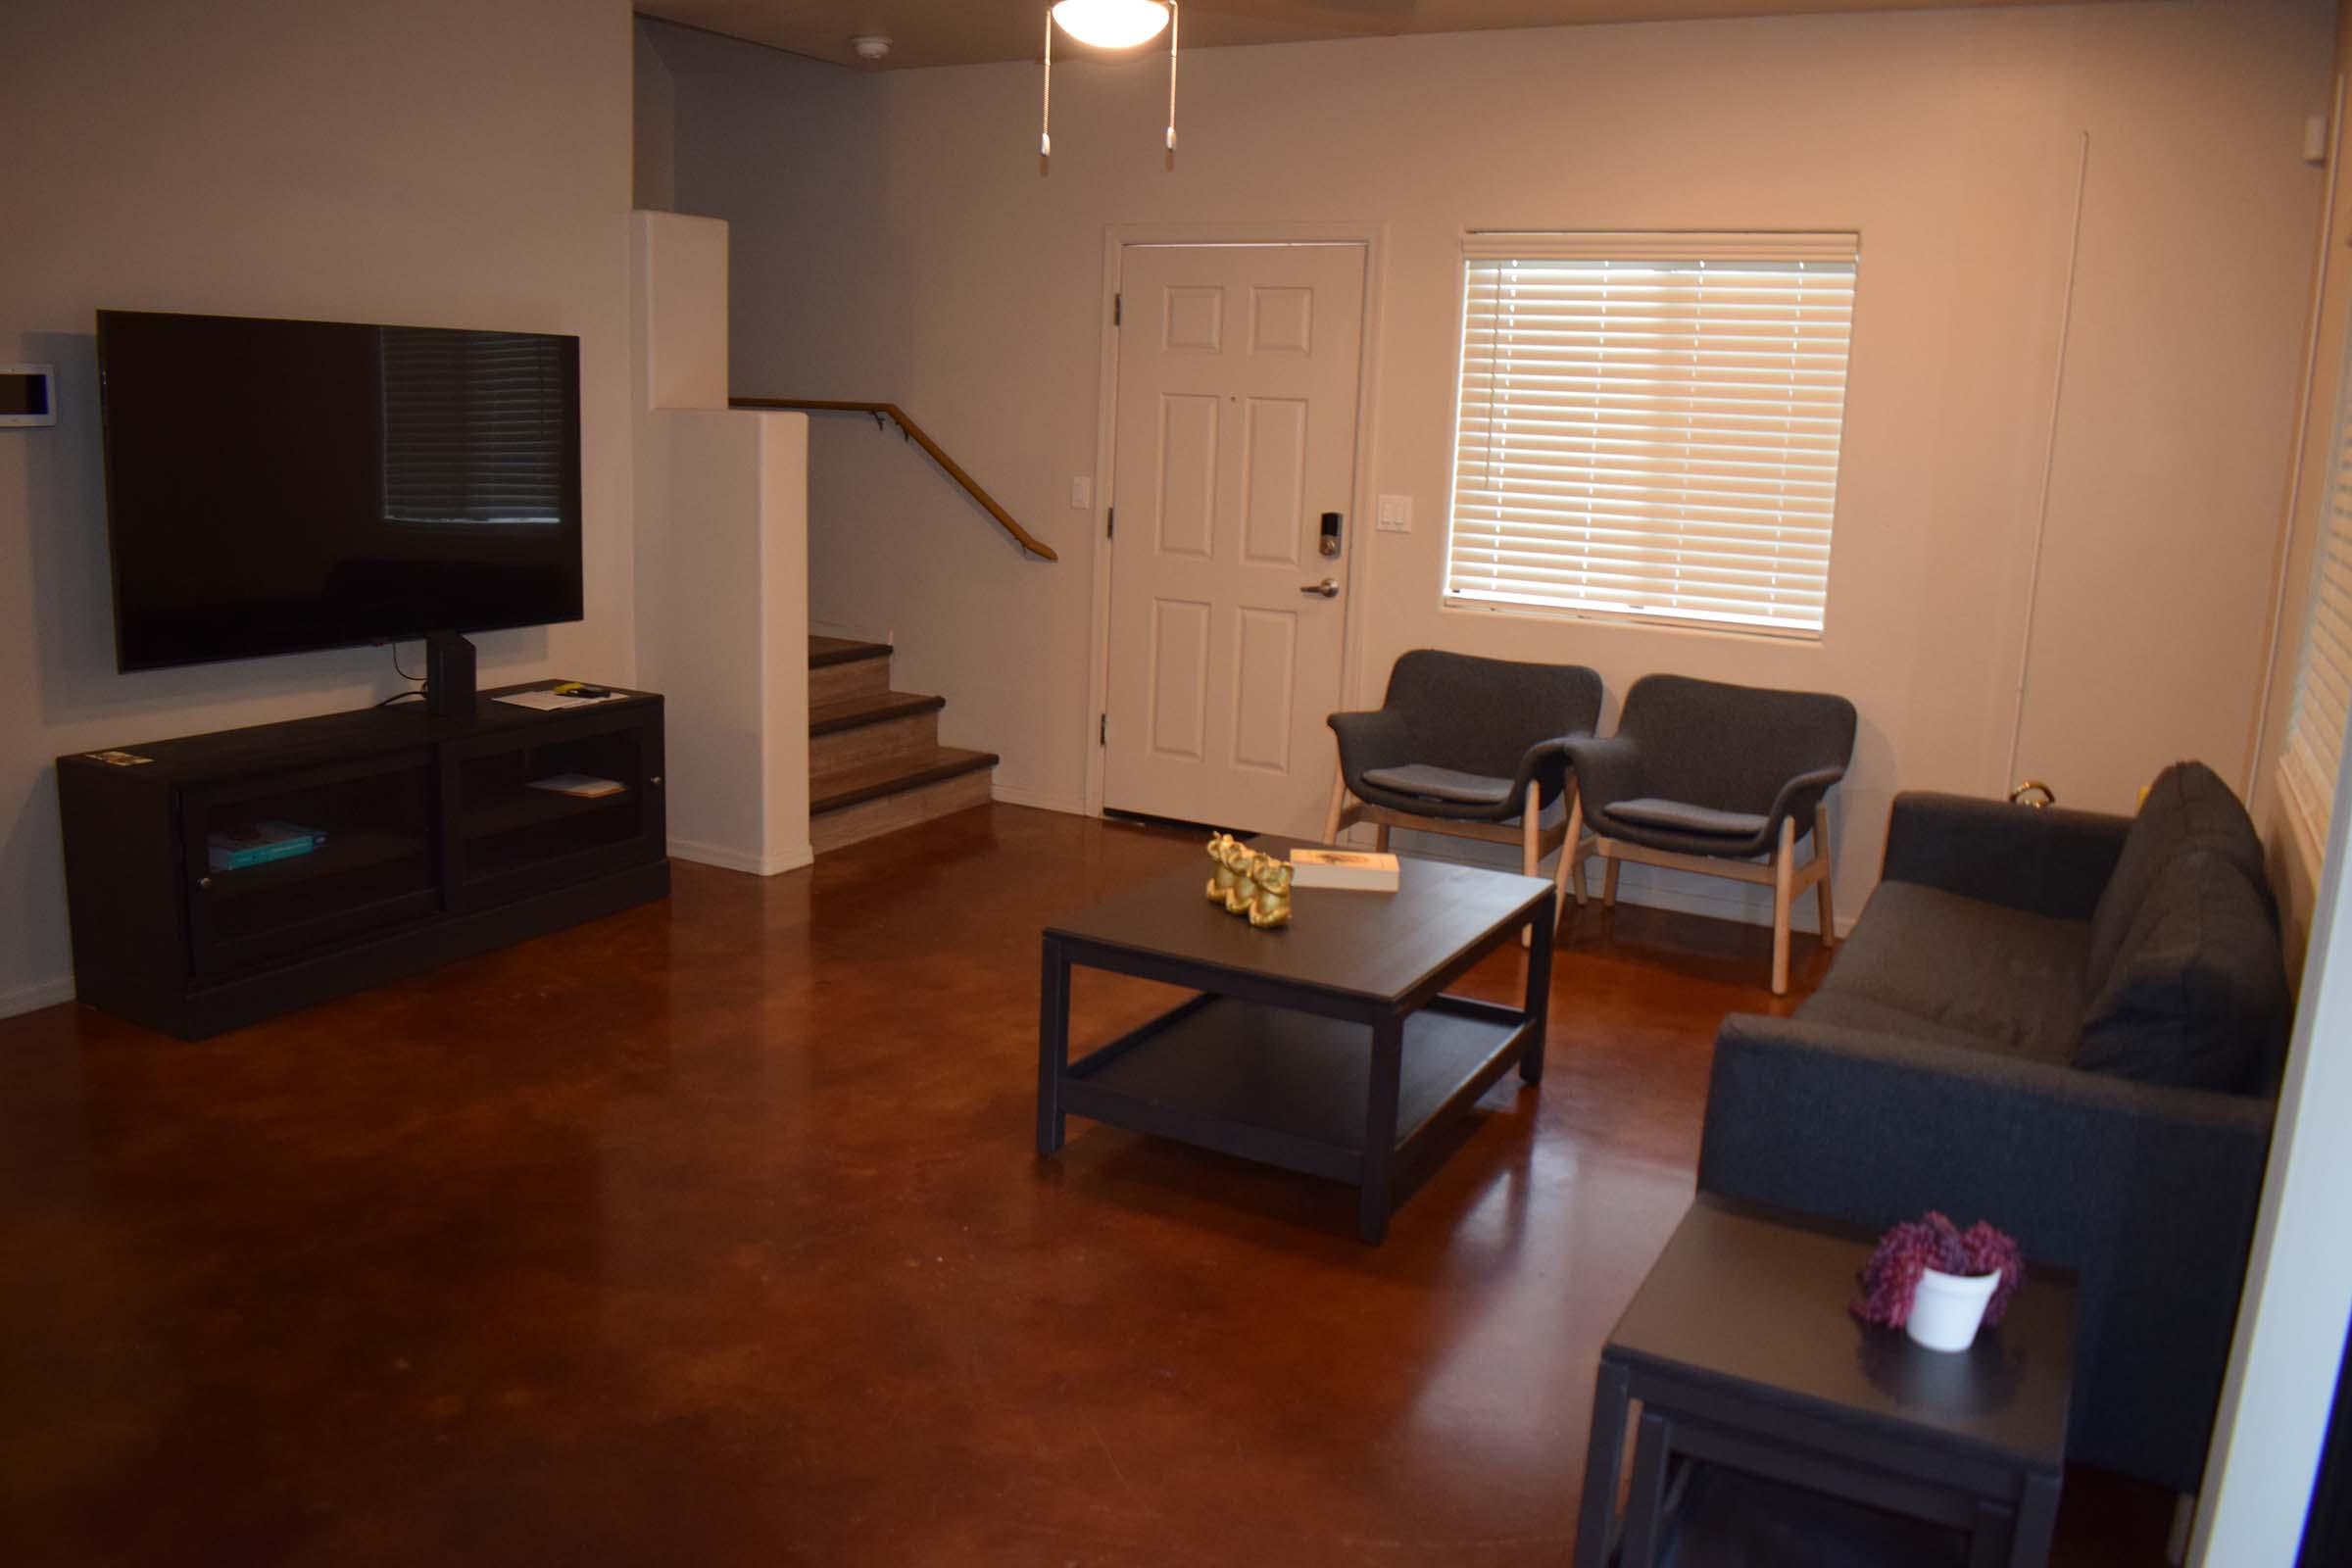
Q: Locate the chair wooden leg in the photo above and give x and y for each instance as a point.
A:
(1608, 881)
(1531, 845)
(1380, 837)
(1531, 832)
(1828, 872)
(1338, 800)
(1569, 875)
(1783, 876)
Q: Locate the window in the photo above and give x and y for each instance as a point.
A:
(475, 426)
(2315, 726)
(1648, 425)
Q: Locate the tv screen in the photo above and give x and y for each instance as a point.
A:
(279, 486)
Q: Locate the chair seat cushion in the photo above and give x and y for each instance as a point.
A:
(1440, 784)
(2011, 980)
(1683, 817)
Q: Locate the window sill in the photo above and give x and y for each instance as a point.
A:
(1450, 604)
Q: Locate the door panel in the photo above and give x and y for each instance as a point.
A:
(1265, 670)
(1179, 717)
(1187, 514)
(1236, 432)
(1274, 456)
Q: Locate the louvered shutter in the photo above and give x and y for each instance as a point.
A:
(1648, 425)
(2315, 726)
(474, 426)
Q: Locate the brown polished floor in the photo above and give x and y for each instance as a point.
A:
(711, 1233)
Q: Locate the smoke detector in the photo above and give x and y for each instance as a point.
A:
(871, 45)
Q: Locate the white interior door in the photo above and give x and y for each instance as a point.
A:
(1237, 397)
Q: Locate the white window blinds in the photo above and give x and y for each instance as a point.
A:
(1648, 425)
(475, 426)
(2315, 728)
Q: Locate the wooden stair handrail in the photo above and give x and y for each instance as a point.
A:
(898, 415)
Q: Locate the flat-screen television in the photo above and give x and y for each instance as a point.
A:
(279, 486)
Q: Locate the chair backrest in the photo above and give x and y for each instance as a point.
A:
(1733, 747)
(1482, 715)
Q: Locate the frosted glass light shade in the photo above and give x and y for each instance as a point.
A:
(1111, 24)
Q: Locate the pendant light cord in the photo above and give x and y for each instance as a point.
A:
(1171, 75)
(1045, 133)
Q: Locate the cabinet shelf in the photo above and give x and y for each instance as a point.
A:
(342, 853)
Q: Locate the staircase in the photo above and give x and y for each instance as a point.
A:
(875, 763)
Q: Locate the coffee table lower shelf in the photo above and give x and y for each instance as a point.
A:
(1287, 1088)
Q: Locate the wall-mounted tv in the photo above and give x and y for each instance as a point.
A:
(277, 487)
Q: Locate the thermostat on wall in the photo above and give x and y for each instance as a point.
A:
(27, 394)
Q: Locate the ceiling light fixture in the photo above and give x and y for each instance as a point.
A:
(1111, 24)
(1108, 24)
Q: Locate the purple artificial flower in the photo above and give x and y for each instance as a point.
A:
(1891, 1278)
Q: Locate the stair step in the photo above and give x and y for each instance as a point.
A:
(840, 670)
(869, 707)
(851, 786)
(871, 727)
(826, 652)
(864, 803)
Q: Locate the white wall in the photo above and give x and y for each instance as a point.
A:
(893, 237)
(722, 563)
(437, 162)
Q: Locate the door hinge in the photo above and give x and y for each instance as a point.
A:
(1103, 731)
(1116, 304)
(1111, 522)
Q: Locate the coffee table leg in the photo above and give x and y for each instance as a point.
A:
(2036, 1521)
(1539, 994)
(1052, 1045)
(1645, 1503)
(1604, 1451)
(1379, 1129)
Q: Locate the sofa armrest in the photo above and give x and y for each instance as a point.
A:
(1375, 737)
(2048, 862)
(2148, 1193)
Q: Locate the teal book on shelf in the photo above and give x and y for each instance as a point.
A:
(234, 848)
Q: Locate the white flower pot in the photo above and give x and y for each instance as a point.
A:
(1947, 1309)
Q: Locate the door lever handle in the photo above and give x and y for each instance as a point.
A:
(1327, 588)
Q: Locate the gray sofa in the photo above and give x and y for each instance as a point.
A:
(2070, 1025)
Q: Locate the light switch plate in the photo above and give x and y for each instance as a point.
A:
(1395, 514)
(1082, 494)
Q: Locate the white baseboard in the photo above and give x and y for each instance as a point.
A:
(32, 998)
(727, 860)
(1042, 799)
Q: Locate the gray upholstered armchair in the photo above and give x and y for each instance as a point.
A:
(1472, 747)
(1704, 776)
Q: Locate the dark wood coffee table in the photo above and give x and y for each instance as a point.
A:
(1326, 1046)
(1747, 1364)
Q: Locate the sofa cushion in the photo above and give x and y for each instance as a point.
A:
(2196, 996)
(1651, 812)
(2188, 807)
(2008, 980)
(1440, 784)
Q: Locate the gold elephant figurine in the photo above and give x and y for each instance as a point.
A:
(1221, 847)
(1272, 906)
(1246, 864)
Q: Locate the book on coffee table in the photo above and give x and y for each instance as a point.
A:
(1353, 870)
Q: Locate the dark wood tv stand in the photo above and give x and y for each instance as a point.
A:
(435, 846)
